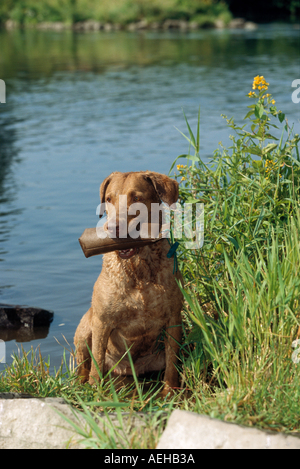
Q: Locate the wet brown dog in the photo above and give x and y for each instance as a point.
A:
(136, 300)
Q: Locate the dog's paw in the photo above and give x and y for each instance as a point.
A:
(94, 379)
(168, 390)
(83, 374)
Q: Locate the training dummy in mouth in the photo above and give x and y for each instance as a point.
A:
(95, 241)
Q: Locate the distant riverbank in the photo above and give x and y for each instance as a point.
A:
(132, 15)
(119, 13)
(167, 25)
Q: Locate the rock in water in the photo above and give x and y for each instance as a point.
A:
(17, 322)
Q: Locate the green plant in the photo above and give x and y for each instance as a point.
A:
(245, 197)
(242, 288)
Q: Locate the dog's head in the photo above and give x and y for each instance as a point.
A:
(127, 197)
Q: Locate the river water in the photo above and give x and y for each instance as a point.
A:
(81, 105)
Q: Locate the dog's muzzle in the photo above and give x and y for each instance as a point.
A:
(128, 253)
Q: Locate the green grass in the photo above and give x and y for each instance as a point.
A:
(29, 373)
(242, 296)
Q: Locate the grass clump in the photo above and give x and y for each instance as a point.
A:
(243, 288)
(117, 414)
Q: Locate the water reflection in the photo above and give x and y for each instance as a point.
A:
(8, 156)
(24, 334)
(37, 53)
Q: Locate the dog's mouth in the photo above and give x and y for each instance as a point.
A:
(127, 253)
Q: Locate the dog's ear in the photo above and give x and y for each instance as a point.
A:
(166, 188)
(103, 188)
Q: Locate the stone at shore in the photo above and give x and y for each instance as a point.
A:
(237, 23)
(30, 423)
(36, 424)
(89, 25)
(52, 25)
(178, 24)
(24, 323)
(250, 26)
(144, 24)
(139, 25)
(187, 430)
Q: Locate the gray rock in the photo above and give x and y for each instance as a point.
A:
(137, 26)
(108, 27)
(89, 25)
(143, 24)
(250, 26)
(15, 316)
(11, 24)
(78, 26)
(92, 25)
(171, 24)
(30, 423)
(187, 430)
(183, 25)
(237, 23)
(35, 424)
(52, 26)
(193, 25)
(15, 395)
(155, 25)
(24, 323)
(219, 24)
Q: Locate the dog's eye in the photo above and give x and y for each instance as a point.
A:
(136, 198)
(108, 199)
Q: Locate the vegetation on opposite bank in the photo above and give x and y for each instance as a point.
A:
(122, 12)
(239, 359)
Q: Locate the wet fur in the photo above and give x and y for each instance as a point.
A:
(136, 302)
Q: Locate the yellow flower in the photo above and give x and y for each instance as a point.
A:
(273, 101)
(252, 93)
(182, 179)
(259, 83)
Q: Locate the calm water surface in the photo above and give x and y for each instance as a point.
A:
(80, 106)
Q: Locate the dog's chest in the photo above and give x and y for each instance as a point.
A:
(138, 296)
(138, 290)
(141, 299)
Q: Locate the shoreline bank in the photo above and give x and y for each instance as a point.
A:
(167, 25)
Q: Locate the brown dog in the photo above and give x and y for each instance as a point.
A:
(136, 300)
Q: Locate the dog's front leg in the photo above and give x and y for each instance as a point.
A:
(172, 343)
(100, 335)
